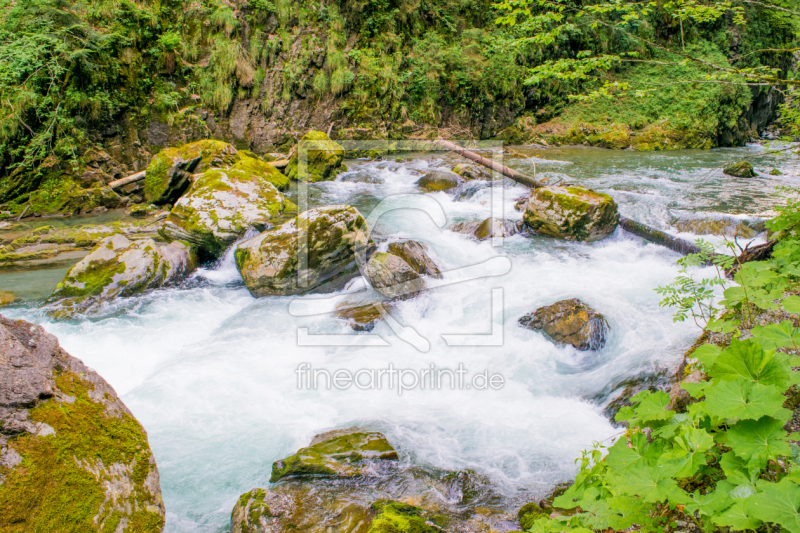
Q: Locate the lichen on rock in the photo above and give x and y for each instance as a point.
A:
(343, 454)
(119, 267)
(569, 322)
(72, 456)
(324, 239)
(221, 206)
(169, 173)
(571, 213)
(324, 159)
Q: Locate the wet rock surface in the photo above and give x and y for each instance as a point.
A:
(569, 322)
(571, 213)
(397, 272)
(328, 237)
(324, 159)
(394, 497)
(439, 180)
(72, 456)
(119, 267)
(742, 169)
(491, 227)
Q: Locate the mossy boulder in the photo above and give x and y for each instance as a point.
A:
(328, 237)
(220, 207)
(775, 172)
(324, 159)
(397, 517)
(571, 213)
(119, 267)
(569, 322)
(439, 180)
(471, 172)
(72, 456)
(259, 167)
(7, 298)
(742, 169)
(169, 173)
(396, 273)
(529, 513)
(342, 454)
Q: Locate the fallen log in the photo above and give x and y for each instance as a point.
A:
(116, 184)
(515, 175)
(637, 228)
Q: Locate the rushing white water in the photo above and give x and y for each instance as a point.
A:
(211, 372)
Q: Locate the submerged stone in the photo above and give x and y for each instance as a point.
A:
(7, 297)
(571, 213)
(345, 455)
(742, 169)
(361, 317)
(169, 173)
(569, 322)
(324, 159)
(775, 172)
(327, 237)
(438, 180)
(119, 267)
(491, 227)
(220, 207)
(72, 456)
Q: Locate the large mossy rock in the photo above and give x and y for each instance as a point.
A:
(169, 173)
(119, 267)
(324, 159)
(72, 456)
(221, 206)
(397, 272)
(328, 236)
(342, 454)
(439, 180)
(742, 169)
(571, 213)
(569, 322)
(259, 167)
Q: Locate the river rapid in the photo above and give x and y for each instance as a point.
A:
(210, 371)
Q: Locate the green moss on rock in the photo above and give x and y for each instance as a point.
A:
(324, 159)
(396, 517)
(571, 213)
(742, 169)
(340, 456)
(263, 169)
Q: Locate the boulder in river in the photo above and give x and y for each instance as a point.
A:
(569, 322)
(571, 213)
(361, 317)
(169, 173)
(491, 227)
(439, 180)
(117, 267)
(471, 172)
(324, 159)
(742, 169)
(221, 206)
(775, 172)
(72, 456)
(340, 453)
(398, 271)
(330, 236)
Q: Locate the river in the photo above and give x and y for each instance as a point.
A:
(211, 372)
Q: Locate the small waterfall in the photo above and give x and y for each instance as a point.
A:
(223, 271)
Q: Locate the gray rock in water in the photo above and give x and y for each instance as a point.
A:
(328, 236)
(438, 180)
(569, 322)
(78, 441)
(742, 169)
(396, 273)
(491, 227)
(119, 267)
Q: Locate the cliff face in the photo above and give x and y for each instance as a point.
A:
(72, 456)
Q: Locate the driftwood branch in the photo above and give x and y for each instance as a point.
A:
(519, 177)
(124, 181)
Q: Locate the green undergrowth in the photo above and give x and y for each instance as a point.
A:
(53, 488)
(725, 462)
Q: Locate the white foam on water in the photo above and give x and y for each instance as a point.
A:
(211, 372)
